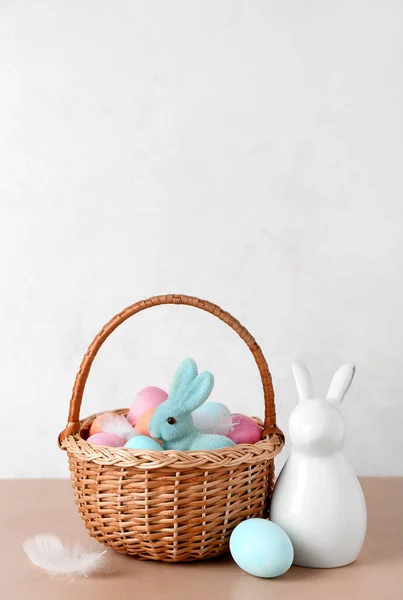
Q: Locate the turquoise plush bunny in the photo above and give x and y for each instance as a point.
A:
(172, 420)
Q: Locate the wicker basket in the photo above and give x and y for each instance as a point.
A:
(170, 506)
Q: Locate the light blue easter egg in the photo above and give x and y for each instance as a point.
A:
(212, 417)
(142, 442)
(261, 548)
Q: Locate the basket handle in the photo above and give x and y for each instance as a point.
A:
(73, 423)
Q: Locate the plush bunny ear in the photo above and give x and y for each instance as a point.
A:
(340, 384)
(198, 391)
(303, 381)
(185, 374)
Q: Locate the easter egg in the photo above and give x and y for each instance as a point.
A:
(96, 425)
(148, 397)
(212, 417)
(244, 430)
(142, 442)
(261, 548)
(105, 439)
(142, 423)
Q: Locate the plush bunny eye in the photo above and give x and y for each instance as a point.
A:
(171, 420)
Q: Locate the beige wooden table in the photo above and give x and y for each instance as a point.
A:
(47, 506)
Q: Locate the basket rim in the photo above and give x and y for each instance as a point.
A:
(73, 422)
(223, 458)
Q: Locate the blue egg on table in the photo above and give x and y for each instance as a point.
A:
(261, 548)
(142, 442)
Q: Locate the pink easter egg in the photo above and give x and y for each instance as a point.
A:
(244, 430)
(105, 439)
(146, 399)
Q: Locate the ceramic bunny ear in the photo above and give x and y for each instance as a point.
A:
(184, 375)
(340, 384)
(303, 381)
(198, 391)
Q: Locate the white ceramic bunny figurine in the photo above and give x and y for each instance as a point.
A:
(317, 499)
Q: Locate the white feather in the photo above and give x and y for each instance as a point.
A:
(117, 425)
(47, 552)
(234, 423)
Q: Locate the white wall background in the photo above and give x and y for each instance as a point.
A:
(248, 152)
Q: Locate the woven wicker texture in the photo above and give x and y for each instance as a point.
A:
(170, 505)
